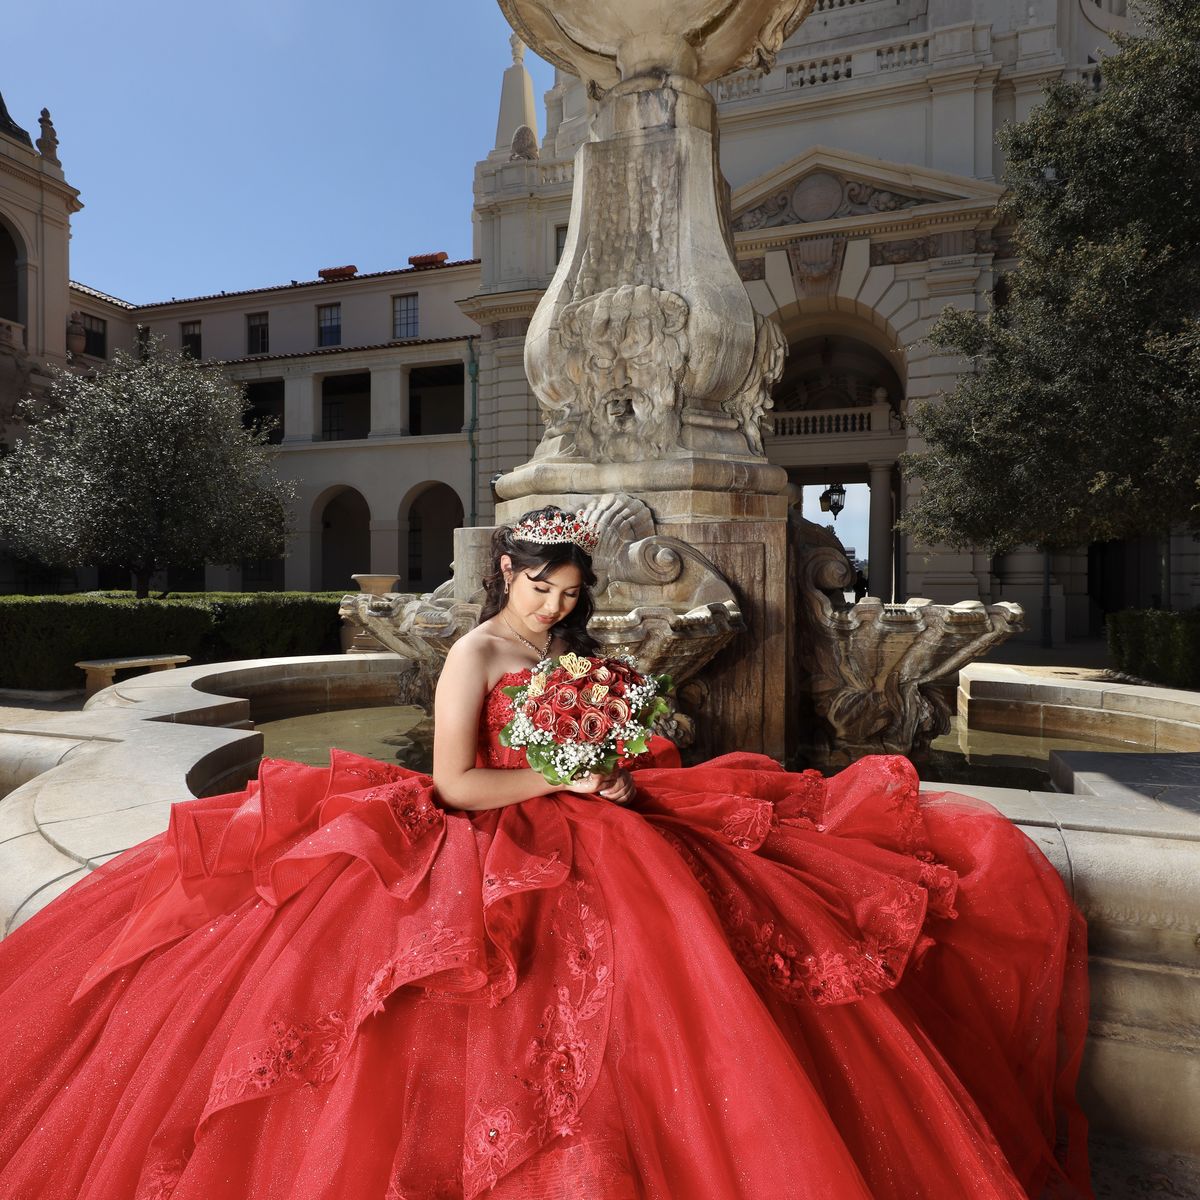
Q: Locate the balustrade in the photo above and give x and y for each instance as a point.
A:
(739, 86)
(12, 334)
(902, 54)
(822, 422)
(556, 172)
(820, 70)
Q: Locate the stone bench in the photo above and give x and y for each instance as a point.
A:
(100, 671)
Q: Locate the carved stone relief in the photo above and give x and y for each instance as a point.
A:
(624, 354)
(909, 250)
(824, 196)
(949, 244)
(752, 268)
(749, 405)
(642, 225)
(816, 264)
(524, 145)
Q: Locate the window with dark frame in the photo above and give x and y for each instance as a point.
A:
(96, 331)
(560, 241)
(329, 324)
(258, 337)
(142, 341)
(406, 321)
(333, 423)
(189, 335)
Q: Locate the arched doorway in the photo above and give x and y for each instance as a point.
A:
(11, 255)
(837, 373)
(429, 516)
(345, 525)
(839, 418)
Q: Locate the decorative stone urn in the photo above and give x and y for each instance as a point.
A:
(651, 368)
(869, 677)
(621, 39)
(646, 348)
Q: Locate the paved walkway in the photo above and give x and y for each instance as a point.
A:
(16, 708)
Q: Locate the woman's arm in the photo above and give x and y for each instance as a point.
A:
(461, 692)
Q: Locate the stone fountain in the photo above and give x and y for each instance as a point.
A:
(653, 371)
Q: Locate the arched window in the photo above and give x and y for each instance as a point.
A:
(10, 302)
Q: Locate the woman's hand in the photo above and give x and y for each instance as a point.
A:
(616, 786)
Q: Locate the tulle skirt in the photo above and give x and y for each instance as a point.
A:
(746, 984)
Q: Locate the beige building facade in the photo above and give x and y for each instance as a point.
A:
(863, 175)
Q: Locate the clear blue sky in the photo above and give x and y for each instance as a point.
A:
(228, 145)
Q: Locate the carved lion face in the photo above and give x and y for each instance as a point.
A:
(626, 353)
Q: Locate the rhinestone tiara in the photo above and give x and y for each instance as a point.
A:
(553, 529)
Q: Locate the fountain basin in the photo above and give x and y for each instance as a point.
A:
(1129, 851)
(78, 788)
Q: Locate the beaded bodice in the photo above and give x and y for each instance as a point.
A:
(496, 713)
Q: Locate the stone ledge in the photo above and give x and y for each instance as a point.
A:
(1130, 859)
(1013, 699)
(83, 786)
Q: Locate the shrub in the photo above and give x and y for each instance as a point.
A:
(1157, 645)
(43, 637)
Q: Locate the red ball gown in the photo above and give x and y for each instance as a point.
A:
(747, 984)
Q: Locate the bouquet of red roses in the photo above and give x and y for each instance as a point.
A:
(579, 715)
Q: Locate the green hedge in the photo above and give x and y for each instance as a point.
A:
(1158, 645)
(43, 637)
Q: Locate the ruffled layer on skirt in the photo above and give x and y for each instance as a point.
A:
(748, 983)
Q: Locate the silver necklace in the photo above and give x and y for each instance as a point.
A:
(540, 653)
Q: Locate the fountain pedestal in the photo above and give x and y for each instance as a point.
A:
(653, 372)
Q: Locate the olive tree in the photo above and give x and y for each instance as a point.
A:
(144, 464)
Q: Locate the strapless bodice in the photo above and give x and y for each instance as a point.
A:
(496, 713)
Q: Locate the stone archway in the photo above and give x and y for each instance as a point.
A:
(12, 261)
(428, 517)
(839, 417)
(344, 523)
(834, 371)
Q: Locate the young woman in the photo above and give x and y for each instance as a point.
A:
(725, 982)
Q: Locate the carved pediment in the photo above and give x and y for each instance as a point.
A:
(825, 196)
(827, 185)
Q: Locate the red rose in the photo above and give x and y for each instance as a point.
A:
(616, 710)
(565, 698)
(543, 717)
(594, 726)
(601, 674)
(566, 729)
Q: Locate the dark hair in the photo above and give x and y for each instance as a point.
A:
(539, 561)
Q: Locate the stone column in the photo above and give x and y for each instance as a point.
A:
(879, 536)
(301, 408)
(389, 401)
(652, 369)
